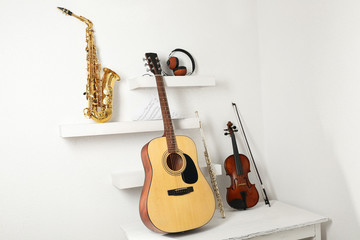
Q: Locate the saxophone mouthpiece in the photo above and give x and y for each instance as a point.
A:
(66, 11)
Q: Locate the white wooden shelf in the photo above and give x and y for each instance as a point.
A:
(132, 179)
(172, 81)
(95, 129)
(280, 221)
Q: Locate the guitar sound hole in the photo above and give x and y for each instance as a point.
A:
(174, 161)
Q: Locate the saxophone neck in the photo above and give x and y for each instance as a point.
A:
(85, 20)
(81, 18)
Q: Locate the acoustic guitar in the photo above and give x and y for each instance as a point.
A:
(175, 197)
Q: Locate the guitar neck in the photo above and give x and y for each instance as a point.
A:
(168, 126)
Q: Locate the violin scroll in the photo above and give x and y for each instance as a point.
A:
(231, 128)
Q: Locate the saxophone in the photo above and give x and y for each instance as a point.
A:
(99, 91)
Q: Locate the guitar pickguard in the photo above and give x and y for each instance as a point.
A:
(189, 175)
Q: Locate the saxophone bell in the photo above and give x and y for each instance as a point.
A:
(101, 110)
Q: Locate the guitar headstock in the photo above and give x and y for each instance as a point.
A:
(153, 62)
(230, 129)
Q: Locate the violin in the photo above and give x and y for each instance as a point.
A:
(241, 194)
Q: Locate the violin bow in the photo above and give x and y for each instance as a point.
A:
(266, 199)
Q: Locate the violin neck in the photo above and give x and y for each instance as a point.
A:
(234, 145)
(238, 165)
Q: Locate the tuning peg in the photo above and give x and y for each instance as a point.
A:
(148, 69)
(233, 127)
(235, 130)
(146, 64)
(226, 133)
(144, 59)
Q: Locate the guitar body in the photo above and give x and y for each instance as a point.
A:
(174, 198)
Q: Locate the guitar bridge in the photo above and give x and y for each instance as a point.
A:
(180, 191)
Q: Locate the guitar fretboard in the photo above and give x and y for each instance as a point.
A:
(168, 127)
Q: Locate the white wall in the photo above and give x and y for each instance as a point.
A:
(299, 103)
(310, 58)
(54, 188)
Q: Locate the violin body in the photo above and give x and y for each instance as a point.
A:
(241, 194)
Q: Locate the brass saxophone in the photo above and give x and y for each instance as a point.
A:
(99, 91)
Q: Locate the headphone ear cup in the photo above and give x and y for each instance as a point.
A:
(173, 62)
(180, 71)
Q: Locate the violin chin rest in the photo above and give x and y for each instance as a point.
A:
(238, 204)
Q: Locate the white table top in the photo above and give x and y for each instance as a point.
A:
(257, 221)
